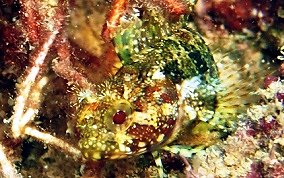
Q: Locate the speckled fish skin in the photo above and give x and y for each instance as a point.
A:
(168, 79)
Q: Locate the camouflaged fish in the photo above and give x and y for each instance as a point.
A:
(168, 88)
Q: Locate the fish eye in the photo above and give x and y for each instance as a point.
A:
(116, 116)
(119, 117)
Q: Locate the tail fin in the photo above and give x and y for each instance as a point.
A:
(240, 76)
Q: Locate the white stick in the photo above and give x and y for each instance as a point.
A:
(25, 86)
(7, 169)
(51, 140)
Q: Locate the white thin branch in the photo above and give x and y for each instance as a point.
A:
(51, 140)
(7, 169)
(25, 87)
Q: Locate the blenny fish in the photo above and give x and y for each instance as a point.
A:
(167, 88)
